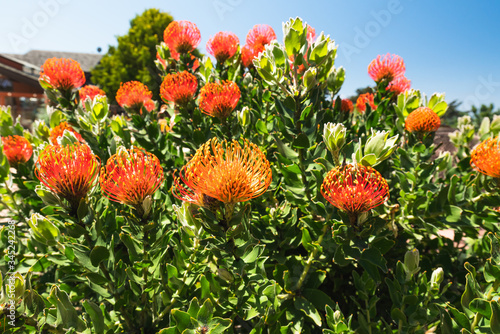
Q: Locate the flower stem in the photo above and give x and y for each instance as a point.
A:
(310, 260)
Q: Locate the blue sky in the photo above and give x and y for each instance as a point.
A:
(448, 46)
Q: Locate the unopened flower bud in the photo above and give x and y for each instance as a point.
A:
(380, 145)
(43, 230)
(436, 278)
(334, 135)
(446, 159)
(337, 316)
(412, 259)
(243, 116)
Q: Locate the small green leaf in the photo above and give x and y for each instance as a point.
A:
(309, 310)
(98, 254)
(96, 316)
(481, 306)
(495, 317)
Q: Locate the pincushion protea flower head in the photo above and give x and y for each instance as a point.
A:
(17, 149)
(134, 95)
(90, 91)
(346, 105)
(223, 45)
(179, 87)
(219, 99)
(386, 67)
(130, 176)
(247, 56)
(182, 36)
(223, 172)
(363, 99)
(62, 74)
(259, 36)
(399, 85)
(422, 120)
(69, 171)
(355, 189)
(58, 131)
(485, 158)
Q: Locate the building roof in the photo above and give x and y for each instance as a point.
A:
(37, 57)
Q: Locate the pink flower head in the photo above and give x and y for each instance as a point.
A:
(259, 36)
(399, 85)
(182, 36)
(386, 67)
(223, 46)
(363, 99)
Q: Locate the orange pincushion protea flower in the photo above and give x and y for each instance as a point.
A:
(346, 105)
(355, 188)
(90, 91)
(422, 120)
(62, 74)
(130, 176)
(363, 99)
(223, 46)
(134, 95)
(182, 36)
(179, 87)
(399, 85)
(58, 131)
(17, 149)
(219, 99)
(224, 172)
(386, 67)
(69, 171)
(259, 36)
(485, 158)
(247, 56)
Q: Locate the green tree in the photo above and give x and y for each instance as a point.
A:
(133, 58)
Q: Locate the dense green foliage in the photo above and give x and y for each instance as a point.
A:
(285, 262)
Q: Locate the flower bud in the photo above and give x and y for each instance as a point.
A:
(43, 230)
(463, 121)
(243, 116)
(412, 259)
(381, 146)
(334, 135)
(337, 316)
(436, 278)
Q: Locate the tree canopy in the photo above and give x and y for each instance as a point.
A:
(133, 58)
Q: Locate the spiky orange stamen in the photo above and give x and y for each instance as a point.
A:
(223, 46)
(386, 67)
(63, 74)
(179, 87)
(134, 95)
(219, 99)
(58, 131)
(130, 176)
(355, 188)
(225, 172)
(422, 120)
(17, 149)
(69, 171)
(485, 158)
(182, 36)
(363, 99)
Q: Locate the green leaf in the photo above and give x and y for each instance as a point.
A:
(454, 214)
(495, 317)
(286, 151)
(96, 316)
(261, 127)
(398, 315)
(301, 142)
(182, 319)
(98, 254)
(66, 313)
(309, 310)
(252, 253)
(206, 312)
(306, 240)
(481, 306)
